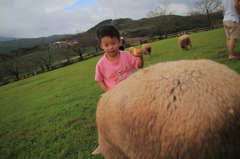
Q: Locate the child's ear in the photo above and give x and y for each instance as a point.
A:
(101, 46)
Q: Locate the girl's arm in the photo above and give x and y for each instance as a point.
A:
(140, 62)
(104, 87)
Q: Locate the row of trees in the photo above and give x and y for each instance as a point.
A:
(161, 19)
(43, 59)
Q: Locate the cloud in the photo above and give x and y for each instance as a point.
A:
(180, 9)
(28, 18)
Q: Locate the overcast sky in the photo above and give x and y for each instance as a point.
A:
(41, 18)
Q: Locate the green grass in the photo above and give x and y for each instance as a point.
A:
(206, 45)
(52, 115)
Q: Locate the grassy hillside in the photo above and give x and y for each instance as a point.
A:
(52, 115)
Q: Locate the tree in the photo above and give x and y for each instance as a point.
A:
(207, 9)
(67, 53)
(14, 66)
(81, 46)
(161, 19)
(2, 74)
(93, 42)
(44, 57)
(35, 62)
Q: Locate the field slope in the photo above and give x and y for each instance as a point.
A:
(52, 115)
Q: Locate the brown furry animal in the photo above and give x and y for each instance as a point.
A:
(188, 109)
(184, 41)
(146, 49)
(134, 51)
(131, 50)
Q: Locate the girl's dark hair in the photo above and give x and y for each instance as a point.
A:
(107, 30)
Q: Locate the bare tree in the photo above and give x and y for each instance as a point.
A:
(67, 53)
(14, 66)
(93, 42)
(2, 74)
(160, 19)
(81, 46)
(32, 64)
(44, 57)
(207, 9)
(35, 61)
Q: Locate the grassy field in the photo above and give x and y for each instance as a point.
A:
(52, 115)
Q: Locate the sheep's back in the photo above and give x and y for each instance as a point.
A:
(146, 47)
(184, 40)
(181, 109)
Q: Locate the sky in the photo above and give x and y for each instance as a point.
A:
(42, 18)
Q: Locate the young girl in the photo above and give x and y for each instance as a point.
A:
(115, 65)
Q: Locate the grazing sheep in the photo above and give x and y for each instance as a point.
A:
(182, 109)
(147, 49)
(184, 41)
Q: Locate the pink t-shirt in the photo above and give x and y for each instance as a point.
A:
(114, 72)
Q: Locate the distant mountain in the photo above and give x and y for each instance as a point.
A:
(128, 28)
(143, 28)
(10, 45)
(116, 22)
(7, 38)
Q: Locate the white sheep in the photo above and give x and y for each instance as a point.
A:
(146, 49)
(184, 41)
(182, 109)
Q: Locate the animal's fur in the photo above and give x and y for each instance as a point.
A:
(184, 41)
(134, 51)
(146, 49)
(131, 50)
(183, 109)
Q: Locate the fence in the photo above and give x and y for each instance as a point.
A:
(24, 75)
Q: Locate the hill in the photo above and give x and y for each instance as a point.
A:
(128, 28)
(142, 28)
(10, 45)
(52, 115)
(7, 38)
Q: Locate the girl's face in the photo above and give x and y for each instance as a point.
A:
(110, 45)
